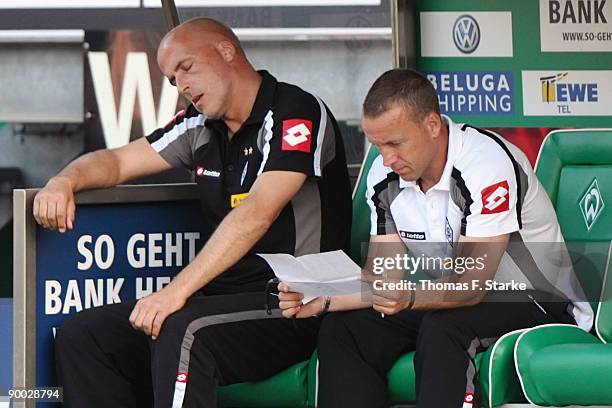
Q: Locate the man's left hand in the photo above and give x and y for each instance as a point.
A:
(387, 301)
(151, 311)
(387, 306)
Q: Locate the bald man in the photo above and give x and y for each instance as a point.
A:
(270, 168)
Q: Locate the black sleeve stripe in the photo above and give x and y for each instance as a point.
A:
(467, 197)
(381, 215)
(517, 169)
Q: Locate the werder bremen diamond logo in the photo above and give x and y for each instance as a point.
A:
(591, 204)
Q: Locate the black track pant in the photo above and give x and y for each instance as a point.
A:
(214, 340)
(357, 349)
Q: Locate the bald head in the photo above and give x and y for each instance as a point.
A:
(203, 31)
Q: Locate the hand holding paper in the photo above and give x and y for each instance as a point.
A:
(322, 274)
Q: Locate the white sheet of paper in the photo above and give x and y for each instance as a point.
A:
(322, 274)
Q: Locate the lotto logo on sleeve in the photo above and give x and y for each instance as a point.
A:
(419, 236)
(495, 198)
(297, 135)
(201, 172)
(181, 377)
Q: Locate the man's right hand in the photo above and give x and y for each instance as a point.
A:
(54, 206)
(291, 303)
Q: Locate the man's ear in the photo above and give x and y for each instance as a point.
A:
(433, 124)
(227, 50)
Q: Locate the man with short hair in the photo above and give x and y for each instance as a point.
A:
(270, 168)
(451, 192)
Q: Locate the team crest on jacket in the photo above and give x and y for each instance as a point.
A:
(297, 135)
(496, 198)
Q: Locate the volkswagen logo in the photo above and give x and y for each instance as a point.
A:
(466, 34)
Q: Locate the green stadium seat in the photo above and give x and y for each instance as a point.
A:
(288, 388)
(562, 365)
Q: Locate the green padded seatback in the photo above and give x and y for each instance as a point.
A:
(313, 378)
(289, 388)
(498, 380)
(603, 320)
(541, 381)
(360, 232)
(575, 168)
(401, 380)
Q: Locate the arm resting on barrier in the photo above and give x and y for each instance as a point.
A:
(54, 205)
